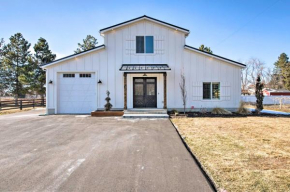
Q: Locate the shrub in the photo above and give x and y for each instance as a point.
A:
(108, 105)
(220, 111)
(242, 109)
(175, 112)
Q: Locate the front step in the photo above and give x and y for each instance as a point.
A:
(145, 113)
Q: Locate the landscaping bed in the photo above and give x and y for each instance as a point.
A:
(243, 153)
(209, 114)
(106, 113)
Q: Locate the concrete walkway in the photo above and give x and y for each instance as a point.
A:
(271, 112)
(82, 153)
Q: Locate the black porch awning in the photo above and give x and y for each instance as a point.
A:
(145, 67)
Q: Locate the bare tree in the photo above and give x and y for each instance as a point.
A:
(245, 79)
(183, 90)
(257, 68)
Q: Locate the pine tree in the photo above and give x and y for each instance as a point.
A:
(88, 43)
(282, 69)
(36, 76)
(2, 72)
(205, 49)
(14, 61)
(259, 94)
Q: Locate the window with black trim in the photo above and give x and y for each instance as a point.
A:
(70, 75)
(211, 90)
(85, 75)
(144, 44)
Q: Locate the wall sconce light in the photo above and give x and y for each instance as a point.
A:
(50, 82)
(100, 82)
(144, 75)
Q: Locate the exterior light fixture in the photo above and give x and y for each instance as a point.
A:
(100, 82)
(144, 75)
(50, 82)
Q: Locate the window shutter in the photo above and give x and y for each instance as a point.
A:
(130, 45)
(159, 44)
(197, 91)
(225, 91)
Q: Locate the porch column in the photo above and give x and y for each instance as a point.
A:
(125, 91)
(165, 90)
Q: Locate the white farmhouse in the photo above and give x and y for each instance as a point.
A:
(141, 63)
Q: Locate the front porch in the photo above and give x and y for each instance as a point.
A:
(145, 89)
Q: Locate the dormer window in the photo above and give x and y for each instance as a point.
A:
(144, 44)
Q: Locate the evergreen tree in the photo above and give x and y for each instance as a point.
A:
(205, 49)
(259, 94)
(14, 60)
(282, 68)
(2, 72)
(36, 76)
(88, 43)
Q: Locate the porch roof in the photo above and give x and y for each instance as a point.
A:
(145, 68)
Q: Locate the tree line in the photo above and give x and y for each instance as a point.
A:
(20, 70)
(278, 78)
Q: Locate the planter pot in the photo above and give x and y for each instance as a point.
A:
(106, 113)
(179, 116)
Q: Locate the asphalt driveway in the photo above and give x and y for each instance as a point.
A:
(82, 153)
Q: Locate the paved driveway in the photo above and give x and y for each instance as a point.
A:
(82, 153)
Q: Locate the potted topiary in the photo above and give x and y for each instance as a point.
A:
(108, 106)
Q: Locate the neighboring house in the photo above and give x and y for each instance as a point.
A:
(275, 92)
(141, 63)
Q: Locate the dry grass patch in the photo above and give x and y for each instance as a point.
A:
(6, 112)
(241, 154)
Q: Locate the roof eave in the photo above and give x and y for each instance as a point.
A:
(111, 28)
(215, 56)
(72, 56)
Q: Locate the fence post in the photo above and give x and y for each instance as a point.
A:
(33, 103)
(42, 102)
(20, 104)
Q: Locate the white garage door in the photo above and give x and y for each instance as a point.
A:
(76, 92)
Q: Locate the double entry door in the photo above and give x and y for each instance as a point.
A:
(144, 92)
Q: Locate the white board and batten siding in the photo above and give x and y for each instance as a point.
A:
(120, 48)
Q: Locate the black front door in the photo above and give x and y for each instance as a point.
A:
(144, 92)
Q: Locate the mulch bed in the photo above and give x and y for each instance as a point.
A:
(208, 114)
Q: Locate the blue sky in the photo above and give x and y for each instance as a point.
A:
(238, 29)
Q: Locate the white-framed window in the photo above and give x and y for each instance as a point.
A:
(85, 75)
(68, 75)
(144, 44)
(211, 90)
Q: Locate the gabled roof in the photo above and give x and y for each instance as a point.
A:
(214, 56)
(146, 18)
(73, 55)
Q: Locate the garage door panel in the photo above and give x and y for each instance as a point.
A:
(76, 94)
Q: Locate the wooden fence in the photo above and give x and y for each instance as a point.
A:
(21, 104)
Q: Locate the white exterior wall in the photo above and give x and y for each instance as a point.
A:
(168, 49)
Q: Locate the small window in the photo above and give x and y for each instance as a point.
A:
(69, 75)
(150, 80)
(144, 44)
(211, 90)
(86, 75)
(215, 90)
(206, 90)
